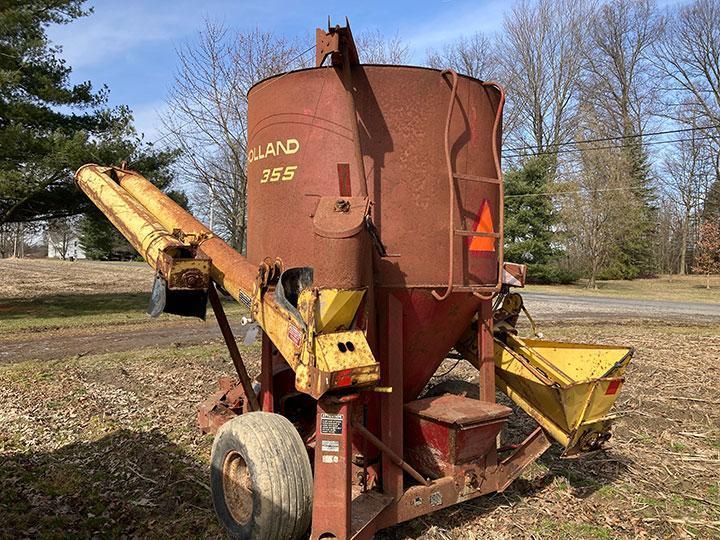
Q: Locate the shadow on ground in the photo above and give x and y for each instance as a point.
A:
(126, 484)
(579, 477)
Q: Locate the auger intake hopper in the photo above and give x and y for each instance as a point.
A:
(568, 388)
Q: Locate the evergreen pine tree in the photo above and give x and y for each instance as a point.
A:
(49, 127)
(529, 219)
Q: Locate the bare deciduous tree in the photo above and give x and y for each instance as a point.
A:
(474, 56)
(376, 48)
(686, 174)
(14, 237)
(61, 233)
(668, 251)
(599, 212)
(541, 56)
(207, 116)
(620, 79)
(690, 57)
(708, 260)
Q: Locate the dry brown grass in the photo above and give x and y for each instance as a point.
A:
(673, 288)
(30, 278)
(107, 445)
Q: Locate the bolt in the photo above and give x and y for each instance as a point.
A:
(342, 205)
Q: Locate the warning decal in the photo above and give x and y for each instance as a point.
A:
(294, 334)
(331, 424)
(330, 446)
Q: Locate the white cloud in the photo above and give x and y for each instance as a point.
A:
(454, 21)
(116, 27)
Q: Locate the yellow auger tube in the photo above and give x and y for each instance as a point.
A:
(146, 234)
(230, 269)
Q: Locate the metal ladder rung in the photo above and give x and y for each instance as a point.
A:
(463, 232)
(475, 178)
(473, 288)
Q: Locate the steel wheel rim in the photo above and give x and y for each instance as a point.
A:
(237, 488)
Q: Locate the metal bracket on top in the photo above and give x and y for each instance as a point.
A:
(335, 42)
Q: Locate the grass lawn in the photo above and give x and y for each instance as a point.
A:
(675, 288)
(47, 295)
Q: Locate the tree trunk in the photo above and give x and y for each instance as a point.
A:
(592, 283)
(707, 283)
(16, 243)
(684, 243)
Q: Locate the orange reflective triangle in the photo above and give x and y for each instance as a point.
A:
(484, 224)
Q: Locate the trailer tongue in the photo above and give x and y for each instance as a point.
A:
(374, 247)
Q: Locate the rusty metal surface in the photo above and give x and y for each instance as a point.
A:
(513, 274)
(486, 352)
(341, 240)
(222, 406)
(397, 460)
(457, 410)
(331, 516)
(296, 119)
(245, 382)
(443, 434)
(336, 41)
(430, 328)
(392, 362)
(527, 452)
(402, 113)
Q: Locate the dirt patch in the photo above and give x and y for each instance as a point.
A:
(111, 441)
(102, 340)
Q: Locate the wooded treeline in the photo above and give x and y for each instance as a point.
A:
(611, 134)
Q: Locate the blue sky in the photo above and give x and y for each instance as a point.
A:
(130, 45)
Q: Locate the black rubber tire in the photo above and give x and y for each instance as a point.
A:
(275, 461)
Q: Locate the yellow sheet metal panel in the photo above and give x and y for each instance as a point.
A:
(342, 350)
(580, 361)
(335, 309)
(568, 388)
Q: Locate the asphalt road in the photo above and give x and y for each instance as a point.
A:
(542, 306)
(556, 306)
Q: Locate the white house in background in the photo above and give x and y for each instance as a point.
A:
(73, 248)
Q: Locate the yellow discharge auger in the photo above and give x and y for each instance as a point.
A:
(568, 388)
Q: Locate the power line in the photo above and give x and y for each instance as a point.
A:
(577, 191)
(608, 147)
(616, 138)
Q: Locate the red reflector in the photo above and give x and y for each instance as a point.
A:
(613, 387)
(343, 378)
(343, 170)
